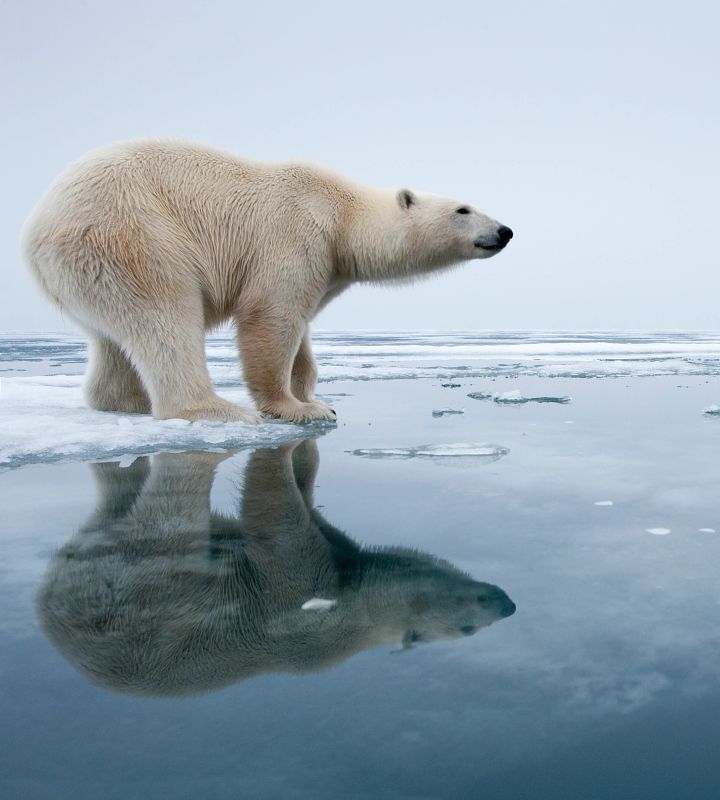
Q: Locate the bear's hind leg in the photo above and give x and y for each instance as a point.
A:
(168, 351)
(111, 382)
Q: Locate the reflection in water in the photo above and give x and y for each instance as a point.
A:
(157, 595)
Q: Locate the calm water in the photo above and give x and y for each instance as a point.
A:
(498, 621)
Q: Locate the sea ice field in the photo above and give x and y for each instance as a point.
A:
(496, 576)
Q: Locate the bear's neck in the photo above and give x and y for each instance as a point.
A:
(379, 246)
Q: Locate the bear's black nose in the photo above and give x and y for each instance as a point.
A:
(507, 607)
(504, 234)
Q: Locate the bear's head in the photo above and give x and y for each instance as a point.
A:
(457, 610)
(456, 231)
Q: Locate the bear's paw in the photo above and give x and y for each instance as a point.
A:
(295, 411)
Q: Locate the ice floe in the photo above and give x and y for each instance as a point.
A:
(480, 396)
(44, 418)
(713, 411)
(603, 503)
(658, 531)
(517, 398)
(444, 412)
(318, 604)
(488, 452)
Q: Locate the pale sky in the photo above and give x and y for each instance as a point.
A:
(591, 129)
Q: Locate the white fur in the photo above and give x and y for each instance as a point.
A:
(148, 244)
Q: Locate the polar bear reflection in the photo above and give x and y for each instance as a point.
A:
(157, 595)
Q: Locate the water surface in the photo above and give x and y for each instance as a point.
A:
(500, 626)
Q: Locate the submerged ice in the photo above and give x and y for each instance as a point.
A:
(517, 398)
(489, 452)
(444, 412)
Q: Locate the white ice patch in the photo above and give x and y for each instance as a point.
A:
(318, 604)
(658, 531)
(706, 530)
(603, 503)
(45, 418)
(505, 346)
(444, 412)
(489, 452)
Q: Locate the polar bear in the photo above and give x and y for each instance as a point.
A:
(147, 244)
(157, 595)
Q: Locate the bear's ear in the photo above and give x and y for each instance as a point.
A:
(405, 199)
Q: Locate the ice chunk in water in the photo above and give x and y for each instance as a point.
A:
(603, 503)
(706, 530)
(318, 604)
(444, 412)
(713, 411)
(489, 452)
(516, 398)
(658, 531)
(480, 396)
(509, 397)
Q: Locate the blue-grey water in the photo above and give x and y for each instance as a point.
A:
(517, 601)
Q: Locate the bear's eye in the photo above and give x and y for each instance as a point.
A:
(463, 210)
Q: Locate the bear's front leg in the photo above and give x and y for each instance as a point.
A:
(269, 340)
